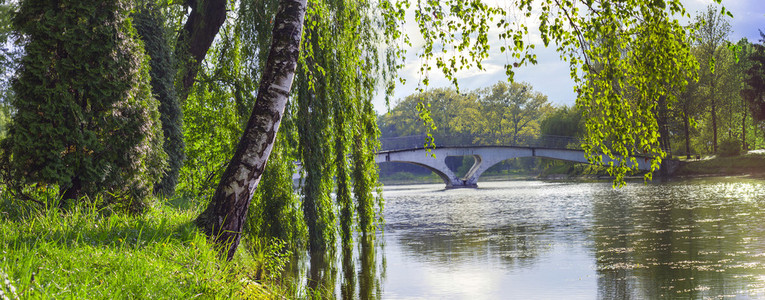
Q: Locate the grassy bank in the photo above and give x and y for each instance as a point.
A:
(752, 163)
(84, 253)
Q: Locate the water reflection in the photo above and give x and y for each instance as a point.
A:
(362, 282)
(348, 287)
(689, 240)
(322, 273)
(693, 239)
(515, 246)
(369, 282)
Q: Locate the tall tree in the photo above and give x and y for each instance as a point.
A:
(94, 127)
(689, 106)
(563, 121)
(712, 34)
(512, 109)
(338, 76)
(148, 23)
(224, 217)
(754, 93)
(738, 75)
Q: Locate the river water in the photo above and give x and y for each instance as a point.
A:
(689, 239)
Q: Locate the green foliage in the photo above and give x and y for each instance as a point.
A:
(336, 81)
(271, 255)
(148, 24)
(563, 121)
(212, 121)
(369, 208)
(5, 112)
(622, 96)
(275, 212)
(214, 115)
(754, 92)
(7, 64)
(714, 57)
(330, 123)
(450, 110)
(94, 127)
(511, 112)
(730, 147)
(503, 113)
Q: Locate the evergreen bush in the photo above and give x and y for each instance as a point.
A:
(85, 117)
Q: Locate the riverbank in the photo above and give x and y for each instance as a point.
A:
(408, 179)
(84, 253)
(750, 164)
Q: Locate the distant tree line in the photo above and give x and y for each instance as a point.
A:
(501, 114)
(722, 112)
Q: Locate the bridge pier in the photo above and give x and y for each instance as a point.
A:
(464, 185)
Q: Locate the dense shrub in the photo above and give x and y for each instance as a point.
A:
(85, 117)
(729, 147)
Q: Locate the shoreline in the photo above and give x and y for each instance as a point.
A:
(750, 165)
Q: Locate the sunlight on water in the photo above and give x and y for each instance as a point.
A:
(691, 239)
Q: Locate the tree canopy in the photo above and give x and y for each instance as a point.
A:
(501, 114)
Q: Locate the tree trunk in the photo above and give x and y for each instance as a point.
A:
(73, 192)
(744, 145)
(195, 38)
(225, 215)
(713, 103)
(662, 115)
(686, 128)
(714, 127)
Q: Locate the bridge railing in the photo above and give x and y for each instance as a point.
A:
(541, 141)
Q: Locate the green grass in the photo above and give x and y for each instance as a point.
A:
(752, 163)
(83, 253)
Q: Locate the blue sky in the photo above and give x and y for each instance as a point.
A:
(551, 76)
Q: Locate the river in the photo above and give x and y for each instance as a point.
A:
(688, 239)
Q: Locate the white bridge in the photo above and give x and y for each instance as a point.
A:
(484, 156)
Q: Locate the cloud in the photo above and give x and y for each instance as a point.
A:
(550, 76)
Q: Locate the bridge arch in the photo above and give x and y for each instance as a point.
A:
(485, 157)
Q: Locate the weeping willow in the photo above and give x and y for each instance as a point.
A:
(329, 132)
(338, 74)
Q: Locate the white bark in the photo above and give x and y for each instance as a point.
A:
(224, 217)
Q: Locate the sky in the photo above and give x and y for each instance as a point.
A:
(550, 75)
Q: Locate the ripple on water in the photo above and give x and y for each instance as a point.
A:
(688, 239)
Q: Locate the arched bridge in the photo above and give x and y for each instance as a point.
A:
(411, 150)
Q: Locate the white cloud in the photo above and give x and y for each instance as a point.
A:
(551, 75)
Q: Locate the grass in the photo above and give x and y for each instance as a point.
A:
(752, 163)
(84, 253)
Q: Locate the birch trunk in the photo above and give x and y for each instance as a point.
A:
(225, 215)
